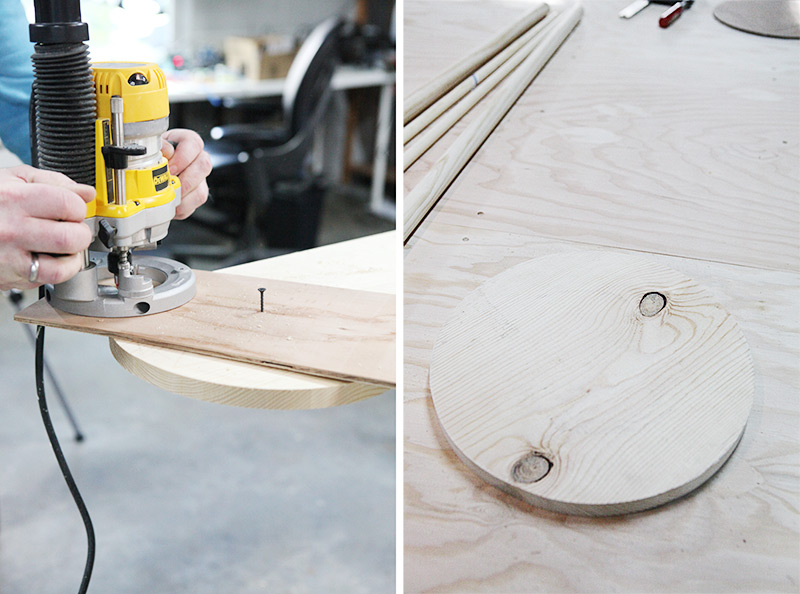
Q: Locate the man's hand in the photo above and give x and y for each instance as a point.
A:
(191, 164)
(41, 212)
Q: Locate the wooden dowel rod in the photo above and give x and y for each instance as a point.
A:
(424, 141)
(450, 77)
(421, 199)
(474, 82)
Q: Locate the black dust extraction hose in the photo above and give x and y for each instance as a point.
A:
(63, 98)
(63, 114)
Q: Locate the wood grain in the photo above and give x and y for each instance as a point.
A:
(439, 33)
(442, 122)
(479, 82)
(364, 264)
(464, 535)
(616, 408)
(445, 80)
(234, 383)
(325, 331)
(697, 157)
(684, 145)
(425, 194)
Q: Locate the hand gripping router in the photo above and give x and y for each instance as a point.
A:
(115, 140)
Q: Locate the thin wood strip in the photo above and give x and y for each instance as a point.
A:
(423, 196)
(476, 82)
(324, 331)
(447, 79)
(417, 147)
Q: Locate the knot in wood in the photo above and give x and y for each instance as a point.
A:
(652, 303)
(531, 468)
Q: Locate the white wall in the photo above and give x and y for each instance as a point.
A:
(203, 23)
(196, 24)
(137, 32)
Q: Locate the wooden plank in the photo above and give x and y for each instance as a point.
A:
(592, 383)
(325, 331)
(739, 531)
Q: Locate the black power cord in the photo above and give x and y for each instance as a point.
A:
(62, 462)
(63, 114)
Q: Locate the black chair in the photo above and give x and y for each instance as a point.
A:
(265, 195)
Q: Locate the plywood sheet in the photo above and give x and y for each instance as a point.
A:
(592, 382)
(692, 140)
(685, 147)
(326, 331)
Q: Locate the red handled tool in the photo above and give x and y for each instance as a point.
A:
(674, 11)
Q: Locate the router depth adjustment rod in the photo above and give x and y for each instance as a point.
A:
(118, 137)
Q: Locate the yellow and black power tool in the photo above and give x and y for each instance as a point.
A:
(136, 200)
(101, 125)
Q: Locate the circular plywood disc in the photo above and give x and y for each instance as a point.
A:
(772, 18)
(592, 383)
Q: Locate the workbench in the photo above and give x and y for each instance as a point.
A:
(366, 264)
(679, 144)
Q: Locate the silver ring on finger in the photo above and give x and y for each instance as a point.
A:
(33, 275)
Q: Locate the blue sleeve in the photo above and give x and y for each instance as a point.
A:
(16, 77)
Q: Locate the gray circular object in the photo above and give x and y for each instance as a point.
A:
(771, 18)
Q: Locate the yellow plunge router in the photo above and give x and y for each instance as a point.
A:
(136, 200)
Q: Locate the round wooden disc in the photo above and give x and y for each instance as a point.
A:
(592, 383)
(771, 18)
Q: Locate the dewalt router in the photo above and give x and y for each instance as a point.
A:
(102, 125)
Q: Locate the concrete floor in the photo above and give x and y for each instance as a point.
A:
(187, 496)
